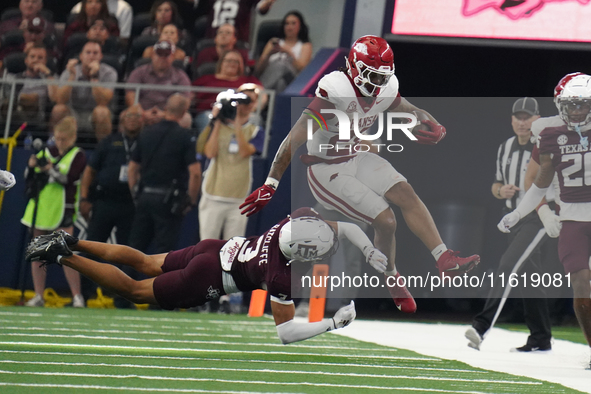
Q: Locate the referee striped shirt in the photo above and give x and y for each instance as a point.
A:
(512, 160)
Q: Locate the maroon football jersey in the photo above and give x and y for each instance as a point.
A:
(571, 160)
(259, 260)
(234, 12)
(260, 263)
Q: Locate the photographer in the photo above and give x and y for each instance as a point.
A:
(228, 142)
(164, 170)
(53, 178)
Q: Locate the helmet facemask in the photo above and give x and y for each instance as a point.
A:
(575, 112)
(369, 80)
(307, 239)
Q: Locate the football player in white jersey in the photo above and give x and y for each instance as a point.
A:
(358, 183)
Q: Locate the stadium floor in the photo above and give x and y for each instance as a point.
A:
(47, 350)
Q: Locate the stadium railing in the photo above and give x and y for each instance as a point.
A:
(12, 115)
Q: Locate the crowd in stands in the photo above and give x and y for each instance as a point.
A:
(104, 41)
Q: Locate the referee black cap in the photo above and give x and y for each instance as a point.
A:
(528, 105)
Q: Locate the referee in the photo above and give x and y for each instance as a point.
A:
(524, 241)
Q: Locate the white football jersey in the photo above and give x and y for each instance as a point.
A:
(338, 89)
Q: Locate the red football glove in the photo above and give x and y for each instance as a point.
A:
(436, 134)
(257, 200)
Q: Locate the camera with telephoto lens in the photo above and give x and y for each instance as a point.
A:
(228, 102)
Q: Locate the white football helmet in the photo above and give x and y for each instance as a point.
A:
(574, 102)
(307, 239)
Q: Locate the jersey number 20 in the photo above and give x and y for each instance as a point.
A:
(580, 162)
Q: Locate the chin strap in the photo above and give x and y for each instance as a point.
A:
(584, 140)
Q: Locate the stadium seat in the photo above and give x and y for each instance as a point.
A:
(115, 61)
(73, 47)
(204, 43)
(266, 31)
(112, 46)
(136, 50)
(200, 28)
(10, 13)
(140, 22)
(14, 63)
(13, 38)
(204, 69)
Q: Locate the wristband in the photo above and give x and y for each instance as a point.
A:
(541, 205)
(274, 183)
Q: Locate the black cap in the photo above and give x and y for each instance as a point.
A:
(528, 105)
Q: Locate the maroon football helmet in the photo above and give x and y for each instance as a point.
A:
(370, 64)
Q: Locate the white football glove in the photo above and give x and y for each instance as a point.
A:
(376, 259)
(550, 221)
(344, 316)
(508, 221)
(6, 180)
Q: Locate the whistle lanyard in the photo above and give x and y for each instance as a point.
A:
(128, 149)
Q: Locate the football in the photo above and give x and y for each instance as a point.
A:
(420, 126)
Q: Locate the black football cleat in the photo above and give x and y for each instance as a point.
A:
(47, 249)
(70, 239)
(530, 348)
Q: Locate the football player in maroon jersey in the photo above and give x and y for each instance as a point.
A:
(564, 151)
(192, 276)
(367, 184)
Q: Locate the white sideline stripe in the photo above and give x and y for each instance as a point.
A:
(79, 386)
(125, 332)
(244, 361)
(249, 382)
(564, 364)
(130, 339)
(274, 371)
(173, 349)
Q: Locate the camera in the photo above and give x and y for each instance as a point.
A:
(228, 102)
(39, 146)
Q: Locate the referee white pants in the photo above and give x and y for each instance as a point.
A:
(220, 219)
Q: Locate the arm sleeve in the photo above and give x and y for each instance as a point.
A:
(355, 235)
(531, 200)
(77, 167)
(291, 331)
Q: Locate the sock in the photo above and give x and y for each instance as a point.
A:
(391, 273)
(438, 251)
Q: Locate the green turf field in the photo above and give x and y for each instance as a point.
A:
(68, 350)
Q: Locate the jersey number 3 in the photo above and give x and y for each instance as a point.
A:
(579, 162)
